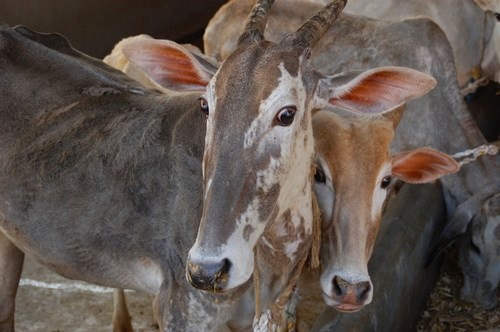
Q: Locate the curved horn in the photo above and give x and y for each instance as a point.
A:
(256, 22)
(312, 31)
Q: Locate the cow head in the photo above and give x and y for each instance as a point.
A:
(475, 226)
(259, 145)
(356, 170)
(479, 254)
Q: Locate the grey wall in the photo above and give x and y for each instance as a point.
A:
(95, 26)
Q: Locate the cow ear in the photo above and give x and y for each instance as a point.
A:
(377, 90)
(422, 165)
(169, 64)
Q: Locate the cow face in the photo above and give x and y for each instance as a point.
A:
(479, 253)
(351, 191)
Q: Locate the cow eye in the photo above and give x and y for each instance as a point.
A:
(386, 181)
(319, 176)
(497, 16)
(203, 105)
(285, 116)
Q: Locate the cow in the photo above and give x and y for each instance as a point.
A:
(493, 49)
(356, 173)
(101, 178)
(439, 119)
(471, 27)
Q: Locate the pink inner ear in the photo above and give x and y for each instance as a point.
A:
(423, 165)
(381, 90)
(167, 64)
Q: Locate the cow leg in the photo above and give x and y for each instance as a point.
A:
(11, 266)
(121, 317)
(180, 307)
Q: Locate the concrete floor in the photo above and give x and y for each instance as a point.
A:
(50, 303)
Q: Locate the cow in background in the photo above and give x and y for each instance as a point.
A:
(471, 26)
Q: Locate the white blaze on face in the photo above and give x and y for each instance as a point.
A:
(356, 271)
(379, 194)
(290, 170)
(289, 92)
(267, 178)
(296, 150)
(325, 192)
(240, 251)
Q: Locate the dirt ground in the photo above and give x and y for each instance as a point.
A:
(446, 312)
(47, 302)
(50, 303)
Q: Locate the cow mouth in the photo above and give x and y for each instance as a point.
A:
(340, 306)
(348, 308)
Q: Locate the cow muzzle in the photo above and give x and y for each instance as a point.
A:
(346, 296)
(209, 276)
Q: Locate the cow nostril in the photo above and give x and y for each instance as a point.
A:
(358, 292)
(222, 274)
(226, 265)
(363, 290)
(339, 286)
(209, 276)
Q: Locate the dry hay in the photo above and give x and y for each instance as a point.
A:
(446, 312)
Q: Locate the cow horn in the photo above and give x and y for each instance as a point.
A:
(256, 23)
(312, 31)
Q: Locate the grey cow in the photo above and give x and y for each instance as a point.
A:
(100, 178)
(102, 181)
(439, 119)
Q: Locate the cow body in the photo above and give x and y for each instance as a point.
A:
(470, 30)
(439, 120)
(100, 179)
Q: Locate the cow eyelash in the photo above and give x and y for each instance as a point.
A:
(319, 176)
(386, 181)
